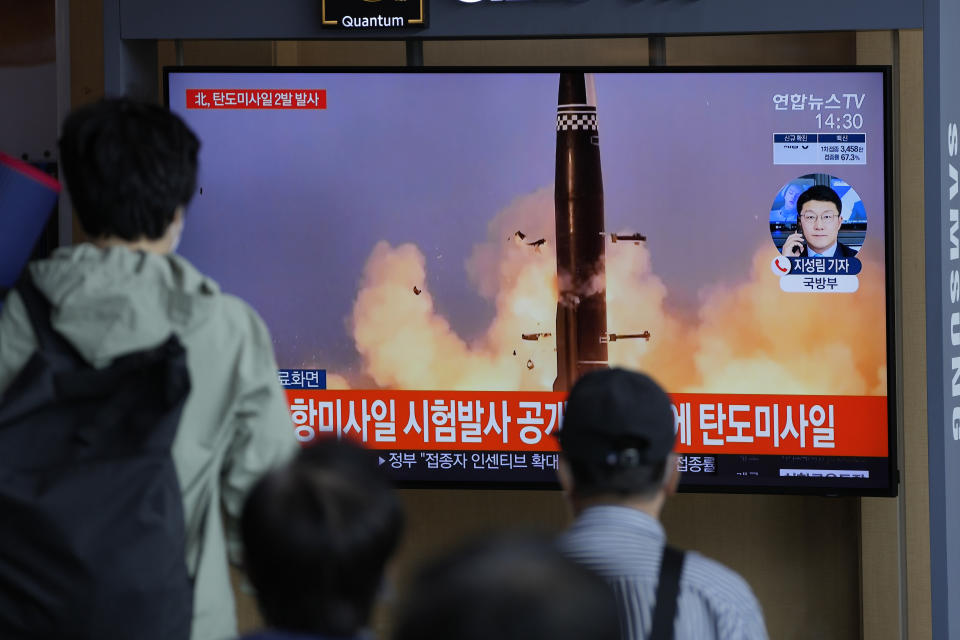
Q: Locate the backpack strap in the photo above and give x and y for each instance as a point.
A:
(38, 309)
(665, 609)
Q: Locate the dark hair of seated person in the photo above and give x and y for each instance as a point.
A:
(508, 588)
(317, 536)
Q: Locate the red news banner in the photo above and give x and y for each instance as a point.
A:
(529, 420)
(256, 99)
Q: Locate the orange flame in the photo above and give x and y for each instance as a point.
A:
(751, 337)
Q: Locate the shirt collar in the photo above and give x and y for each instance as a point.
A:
(627, 517)
(826, 253)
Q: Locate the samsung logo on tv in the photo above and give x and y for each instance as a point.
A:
(953, 222)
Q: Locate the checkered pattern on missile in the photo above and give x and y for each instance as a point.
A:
(577, 121)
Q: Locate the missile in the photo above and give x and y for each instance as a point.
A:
(578, 205)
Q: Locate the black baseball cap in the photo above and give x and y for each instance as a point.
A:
(618, 418)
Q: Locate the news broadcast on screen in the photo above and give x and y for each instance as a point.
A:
(440, 253)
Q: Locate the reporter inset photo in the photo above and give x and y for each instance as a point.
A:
(818, 216)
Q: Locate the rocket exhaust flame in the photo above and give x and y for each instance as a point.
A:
(404, 342)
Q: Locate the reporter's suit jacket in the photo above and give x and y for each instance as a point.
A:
(843, 251)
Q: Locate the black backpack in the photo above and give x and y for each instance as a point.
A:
(91, 516)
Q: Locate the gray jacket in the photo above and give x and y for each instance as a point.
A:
(236, 422)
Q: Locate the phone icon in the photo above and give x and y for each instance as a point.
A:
(780, 266)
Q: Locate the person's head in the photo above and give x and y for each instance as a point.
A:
(790, 195)
(818, 210)
(617, 438)
(130, 168)
(317, 536)
(508, 588)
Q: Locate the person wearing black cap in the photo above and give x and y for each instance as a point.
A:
(617, 470)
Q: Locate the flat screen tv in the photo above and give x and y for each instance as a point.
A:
(439, 253)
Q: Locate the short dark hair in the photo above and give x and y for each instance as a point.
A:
(591, 478)
(128, 166)
(317, 536)
(508, 588)
(820, 193)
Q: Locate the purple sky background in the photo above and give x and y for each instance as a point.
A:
(294, 201)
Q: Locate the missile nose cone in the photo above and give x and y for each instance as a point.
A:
(576, 107)
(577, 88)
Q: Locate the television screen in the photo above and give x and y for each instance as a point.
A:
(440, 253)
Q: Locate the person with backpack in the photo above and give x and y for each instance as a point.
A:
(617, 470)
(115, 339)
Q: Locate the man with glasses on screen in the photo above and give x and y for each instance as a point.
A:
(818, 226)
